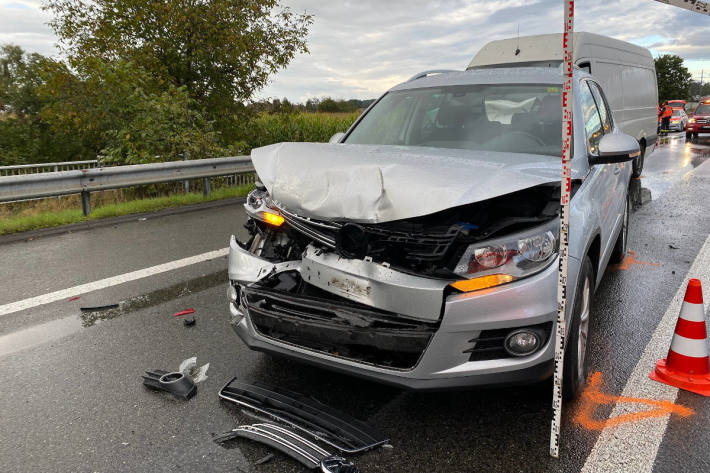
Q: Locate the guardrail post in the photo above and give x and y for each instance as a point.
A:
(186, 182)
(206, 186)
(86, 203)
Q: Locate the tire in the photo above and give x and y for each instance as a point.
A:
(637, 164)
(576, 346)
(619, 252)
(688, 136)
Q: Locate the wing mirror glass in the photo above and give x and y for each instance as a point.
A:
(615, 148)
(336, 137)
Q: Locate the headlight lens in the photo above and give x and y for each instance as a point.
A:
(517, 255)
(692, 120)
(260, 206)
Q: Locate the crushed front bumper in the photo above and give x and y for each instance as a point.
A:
(450, 358)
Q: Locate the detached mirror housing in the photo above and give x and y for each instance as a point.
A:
(336, 137)
(616, 148)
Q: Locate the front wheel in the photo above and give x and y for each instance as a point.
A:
(575, 364)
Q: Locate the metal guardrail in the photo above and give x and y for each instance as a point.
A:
(21, 169)
(85, 181)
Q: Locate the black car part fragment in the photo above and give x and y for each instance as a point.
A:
(306, 415)
(175, 383)
(336, 464)
(282, 439)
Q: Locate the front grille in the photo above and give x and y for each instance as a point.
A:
(489, 344)
(338, 328)
(701, 121)
(322, 232)
(397, 243)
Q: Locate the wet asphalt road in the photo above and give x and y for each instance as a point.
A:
(71, 400)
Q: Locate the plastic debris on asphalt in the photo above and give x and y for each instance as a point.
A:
(189, 368)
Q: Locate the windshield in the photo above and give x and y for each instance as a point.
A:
(702, 110)
(509, 118)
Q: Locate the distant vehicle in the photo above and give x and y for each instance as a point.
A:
(678, 103)
(679, 120)
(626, 72)
(699, 122)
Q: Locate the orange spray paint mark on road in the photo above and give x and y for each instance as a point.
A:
(630, 260)
(593, 397)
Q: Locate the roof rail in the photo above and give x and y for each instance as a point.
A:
(428, 73)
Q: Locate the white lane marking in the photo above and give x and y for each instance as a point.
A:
(108, 282)
(634, 446)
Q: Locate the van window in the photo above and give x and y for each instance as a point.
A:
(590, 115)
(604, 111)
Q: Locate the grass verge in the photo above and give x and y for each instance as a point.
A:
(22, 223)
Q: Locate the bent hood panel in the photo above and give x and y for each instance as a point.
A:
(376, 183)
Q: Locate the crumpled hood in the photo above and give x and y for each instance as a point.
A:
(378, 183)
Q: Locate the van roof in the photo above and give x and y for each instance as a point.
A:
(547, 48)
(512, 75)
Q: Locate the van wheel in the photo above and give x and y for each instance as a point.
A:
(637, 164)
(575, 364)
(619, 252)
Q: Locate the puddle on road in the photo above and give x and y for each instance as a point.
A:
(55, 329)
(39, 334)
(673, 158)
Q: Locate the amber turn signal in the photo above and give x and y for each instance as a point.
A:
(273, 219)
(483, 282)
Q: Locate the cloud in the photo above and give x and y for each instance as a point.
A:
(359, 49)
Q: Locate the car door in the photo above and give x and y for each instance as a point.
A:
(604, 179)
(620, 171)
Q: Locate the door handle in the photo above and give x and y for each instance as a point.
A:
(617, 169)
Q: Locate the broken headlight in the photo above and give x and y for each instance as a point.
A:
(508, 258)
(260, 206)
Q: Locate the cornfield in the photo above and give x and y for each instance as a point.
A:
(267, 129)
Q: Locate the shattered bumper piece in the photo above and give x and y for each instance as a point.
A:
(306, 415)
(336, 464)
(282, 439)
(176, 383)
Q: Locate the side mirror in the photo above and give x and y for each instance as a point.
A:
(615, 148)
(336, 137)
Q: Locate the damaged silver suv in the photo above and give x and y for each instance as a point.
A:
(419, 248)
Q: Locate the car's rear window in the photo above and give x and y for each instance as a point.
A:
(513, 118)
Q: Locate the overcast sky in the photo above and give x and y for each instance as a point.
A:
(359, 49)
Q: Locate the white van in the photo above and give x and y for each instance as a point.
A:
(626, 72)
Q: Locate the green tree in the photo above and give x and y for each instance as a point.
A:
(121, 112)
(220, 51)
(673, 77)
(24, 137)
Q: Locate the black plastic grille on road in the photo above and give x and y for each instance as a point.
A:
(305, 414)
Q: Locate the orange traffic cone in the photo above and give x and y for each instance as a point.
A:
(687, 365)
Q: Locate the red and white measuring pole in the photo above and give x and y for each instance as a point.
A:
(561, 333)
